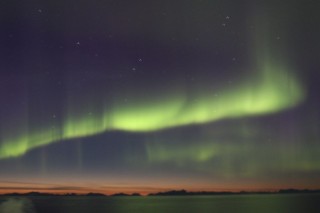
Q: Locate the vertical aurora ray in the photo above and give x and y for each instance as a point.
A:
(273, 86)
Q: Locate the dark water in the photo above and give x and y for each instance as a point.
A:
(234, 203)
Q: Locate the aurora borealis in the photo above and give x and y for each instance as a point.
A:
(155, 113)
(117, 95)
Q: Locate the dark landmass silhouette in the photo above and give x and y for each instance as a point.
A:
(171, 193)
(125, 195)
(186, 193)
(95, 194)
(52, 194)
(288, 191)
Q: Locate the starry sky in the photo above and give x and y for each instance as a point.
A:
(144, 96)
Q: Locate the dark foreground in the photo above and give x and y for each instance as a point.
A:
(291, 203)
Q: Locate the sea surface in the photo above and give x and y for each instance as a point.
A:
(290, 203)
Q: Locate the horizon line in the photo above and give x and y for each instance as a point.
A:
(167, 193)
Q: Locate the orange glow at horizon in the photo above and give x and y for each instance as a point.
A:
(60, 189)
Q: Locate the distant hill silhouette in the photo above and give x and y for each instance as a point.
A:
(294, 191)
(124, 195)
(50, 194)
(95, 195)
(186, 193)
(171, 193)
(120, 195)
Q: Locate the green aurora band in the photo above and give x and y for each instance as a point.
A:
(272, 90)
(270, 87)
